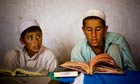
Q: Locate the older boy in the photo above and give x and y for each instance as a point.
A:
(98, 41)
(33, 53)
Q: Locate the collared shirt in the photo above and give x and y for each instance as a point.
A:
(115, 45)
(43, 60)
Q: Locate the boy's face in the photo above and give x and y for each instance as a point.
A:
(32, 42)
(94, 31)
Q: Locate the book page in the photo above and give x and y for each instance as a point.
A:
(106, 69)
(7, 72)
(30, 72)
(78, 66)
(103, 63)
(25, 71)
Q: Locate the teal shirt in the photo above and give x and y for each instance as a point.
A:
(115, 45)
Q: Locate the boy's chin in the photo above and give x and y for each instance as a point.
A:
(94, 45)
(36, 51)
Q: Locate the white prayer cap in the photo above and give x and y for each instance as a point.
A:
(95, 12)
(26, 24)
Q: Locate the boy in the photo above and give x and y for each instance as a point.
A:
(97, 41)
(33, 53)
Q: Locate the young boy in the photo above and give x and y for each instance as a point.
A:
(33, 53)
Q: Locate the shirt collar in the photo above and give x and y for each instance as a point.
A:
(24, 52)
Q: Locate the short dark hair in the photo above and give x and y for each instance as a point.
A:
(30, 29)
(93, 17)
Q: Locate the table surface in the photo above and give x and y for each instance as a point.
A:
(26, 80)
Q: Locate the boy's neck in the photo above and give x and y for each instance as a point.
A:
(30, 53)
(99, 49)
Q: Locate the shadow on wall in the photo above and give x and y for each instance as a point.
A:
(63, 49)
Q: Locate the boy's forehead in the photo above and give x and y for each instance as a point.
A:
(93, 21)
(33, 33)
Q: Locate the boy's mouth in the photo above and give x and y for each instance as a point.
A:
(36, 47)
(94, 41)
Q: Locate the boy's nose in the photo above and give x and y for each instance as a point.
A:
(93, 34)
(35, 41)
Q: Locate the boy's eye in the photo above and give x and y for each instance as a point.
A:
(30, 38)
(89, 29)
(98, 28)
(38, 36)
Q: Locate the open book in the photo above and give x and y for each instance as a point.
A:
(101, 63)
(22, 72)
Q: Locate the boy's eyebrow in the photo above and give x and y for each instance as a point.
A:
(31, 34)
(39, 33)
(88, 27)
(28, 35)
(99, 26)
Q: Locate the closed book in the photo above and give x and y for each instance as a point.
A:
(64, 72)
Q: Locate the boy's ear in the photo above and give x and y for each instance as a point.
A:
(83, 29)
(21, 41)
(106, 28)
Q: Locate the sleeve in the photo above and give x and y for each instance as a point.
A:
(126, 52)
(52, 63)
(11, 59)
(76, 54)
(82, 52)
